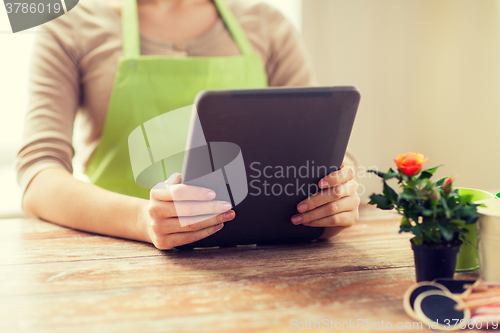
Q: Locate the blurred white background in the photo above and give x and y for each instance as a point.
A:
(429, 76)
(428, 72)
(14, 67)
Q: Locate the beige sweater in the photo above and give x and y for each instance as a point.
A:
(74, 64)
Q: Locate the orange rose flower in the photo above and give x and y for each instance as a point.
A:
(410, 163)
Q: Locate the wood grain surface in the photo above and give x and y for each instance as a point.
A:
(55, 279)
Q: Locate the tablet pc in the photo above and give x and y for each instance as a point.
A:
(265, 150)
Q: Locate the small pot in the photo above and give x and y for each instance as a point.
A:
(435, 261)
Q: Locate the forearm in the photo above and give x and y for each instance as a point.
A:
(54, 195)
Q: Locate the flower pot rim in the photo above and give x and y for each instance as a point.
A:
(453, 243)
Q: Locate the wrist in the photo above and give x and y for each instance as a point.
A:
(142, 220)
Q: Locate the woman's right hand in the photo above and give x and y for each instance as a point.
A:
(162, 217)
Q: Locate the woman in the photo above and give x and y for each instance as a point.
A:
(166, 52)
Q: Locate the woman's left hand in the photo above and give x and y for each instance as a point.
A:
(334, 207)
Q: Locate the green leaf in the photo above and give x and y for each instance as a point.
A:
(385, 175)
(418, 230)
(445, 207)
(378, 173)
(432, 170)
(447, 233)
(381, 201)
(405, 221)
(457, 222)
(390, 174)
(427, 212)
(440, 182)
(427, 173)
(390, 193)
(405, 226)
(408, 194)
(465, 199)
(418, 240)
(436, 238)
(452, 202)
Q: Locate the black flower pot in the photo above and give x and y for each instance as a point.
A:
(435, 261)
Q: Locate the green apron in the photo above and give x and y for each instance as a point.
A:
(148, 86)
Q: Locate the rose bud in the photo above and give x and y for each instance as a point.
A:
(448, 185)
(435, 194)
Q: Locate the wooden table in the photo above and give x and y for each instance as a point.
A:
(54, 279)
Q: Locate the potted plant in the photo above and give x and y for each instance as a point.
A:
(433, 212)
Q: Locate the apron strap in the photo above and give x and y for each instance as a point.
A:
(234, 27)
(130, 28)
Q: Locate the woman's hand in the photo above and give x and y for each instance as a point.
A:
(192, 205)
(334, 207)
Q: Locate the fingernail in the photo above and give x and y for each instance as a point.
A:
(229, 215)
(296, 219)
(226, 206)
(323, 184)
(219, 226)
(211, 195)
(302, 207)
